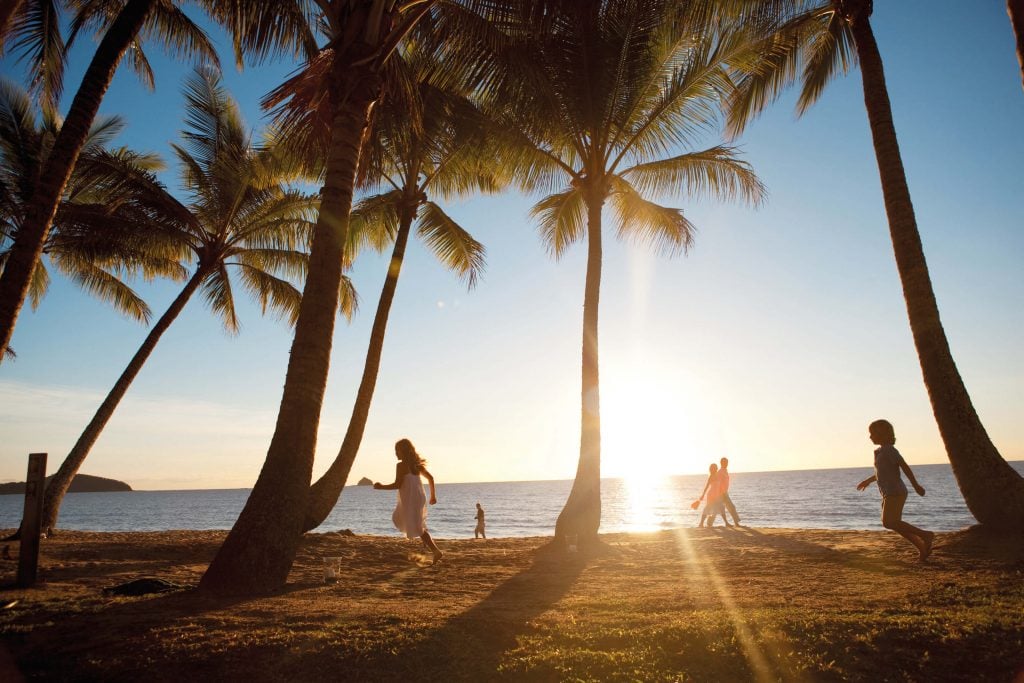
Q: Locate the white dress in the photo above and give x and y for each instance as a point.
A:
(410, 515)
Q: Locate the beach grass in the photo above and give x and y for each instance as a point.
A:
(694, 604)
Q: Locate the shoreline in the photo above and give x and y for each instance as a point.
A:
(703, 604)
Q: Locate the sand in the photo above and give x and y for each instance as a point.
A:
(695, 604)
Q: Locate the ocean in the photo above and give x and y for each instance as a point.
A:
(812, 499)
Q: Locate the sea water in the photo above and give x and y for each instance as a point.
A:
(813, 499)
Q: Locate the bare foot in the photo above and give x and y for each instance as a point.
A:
(928, 537)
(437, 556)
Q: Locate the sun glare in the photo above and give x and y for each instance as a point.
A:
(645, 427)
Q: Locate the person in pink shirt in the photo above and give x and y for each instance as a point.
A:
(712, 495)
(723, 475)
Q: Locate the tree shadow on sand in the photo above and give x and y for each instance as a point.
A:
(472, 645)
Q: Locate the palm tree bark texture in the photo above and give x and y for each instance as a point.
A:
(260, 549)
(28, 247)
(323, 495)
(581, 515)
(993, 491)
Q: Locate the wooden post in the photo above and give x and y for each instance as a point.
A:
(35, 483)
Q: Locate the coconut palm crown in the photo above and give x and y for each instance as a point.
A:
(100, 234)
(240, 226)
(34, 30)
(612, 100)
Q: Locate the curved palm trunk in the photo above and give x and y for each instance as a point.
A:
(324, 494)
(28, 245)
(58, 485)
(582, 512)
(260, 549)
(1015, 8)
(994, 492)
(8, 9)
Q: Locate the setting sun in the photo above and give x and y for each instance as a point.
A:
(650, 427)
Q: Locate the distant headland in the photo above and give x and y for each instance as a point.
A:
(365, 481)
(82, 483)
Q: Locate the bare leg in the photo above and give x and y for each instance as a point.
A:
(431, 546)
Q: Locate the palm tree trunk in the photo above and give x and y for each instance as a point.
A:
(324, 494)
(8, 10)
(60, 482)
(260, 549)
(28, 245)
(1015, 8)
(581, 515)
(994, 492)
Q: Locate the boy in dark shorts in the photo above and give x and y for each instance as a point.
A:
(888, 463)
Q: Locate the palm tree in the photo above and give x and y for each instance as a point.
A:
(819, 40)
(362, 35)
(428, 143)
(612, 96)
(240, 217)
(136, 20)
(95, 241)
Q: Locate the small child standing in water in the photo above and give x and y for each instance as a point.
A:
(888, 463)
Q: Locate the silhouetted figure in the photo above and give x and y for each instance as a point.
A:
(888, 463)
(410, 515)
(712, 495)
(479, 532)
(723, 474)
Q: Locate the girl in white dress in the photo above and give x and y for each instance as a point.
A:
(410, 516)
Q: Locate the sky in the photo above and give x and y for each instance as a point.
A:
(774, 341)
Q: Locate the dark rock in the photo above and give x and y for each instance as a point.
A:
(365, 482)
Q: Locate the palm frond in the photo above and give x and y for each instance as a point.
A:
(261, 30)
(665, 229)
(715, 172)
(348, 298)
(180, 37)
(37, 40)
(374, 222)
(219, 297)
(102, 285)
(453, 246)
(273, 293)
(830, 52)
(561, 219)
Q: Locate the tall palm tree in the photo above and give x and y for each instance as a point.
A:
(95, 241)
(613, 95)
(362, 35)
(123, 28)
(240, 217)
(819, 40)
(429, 142)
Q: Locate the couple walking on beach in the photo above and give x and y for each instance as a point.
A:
(716, 496)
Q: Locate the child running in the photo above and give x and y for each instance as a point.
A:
(888, 463)
(410, 515)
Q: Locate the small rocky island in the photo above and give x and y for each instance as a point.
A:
(365, 482)
(82, 483)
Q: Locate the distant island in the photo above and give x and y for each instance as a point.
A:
(82, 483)
(365, 482)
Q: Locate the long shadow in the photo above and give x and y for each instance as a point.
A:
(749, 536)
(472, 644)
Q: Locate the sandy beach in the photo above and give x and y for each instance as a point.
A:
(696, 604)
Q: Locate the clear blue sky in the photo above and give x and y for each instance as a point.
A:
(775, 341)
